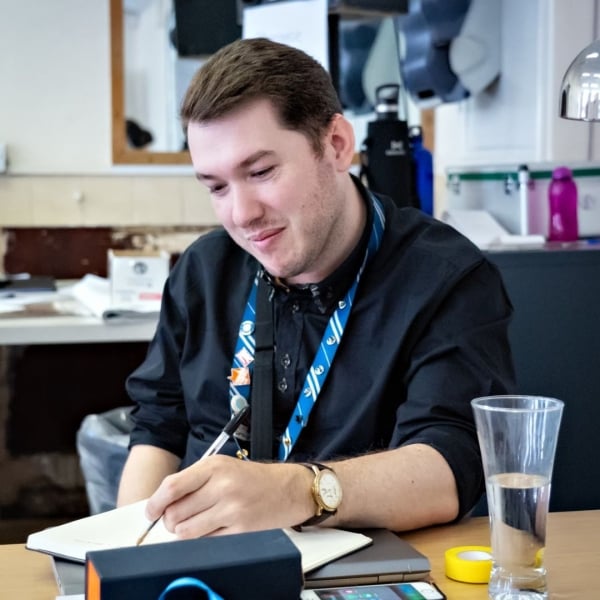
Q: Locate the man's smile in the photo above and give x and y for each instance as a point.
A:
(265, 236)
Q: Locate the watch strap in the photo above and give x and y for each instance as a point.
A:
(316, 519)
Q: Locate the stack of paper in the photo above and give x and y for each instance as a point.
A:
(93, 293)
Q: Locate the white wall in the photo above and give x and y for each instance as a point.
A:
(55, 117)
(55, 85)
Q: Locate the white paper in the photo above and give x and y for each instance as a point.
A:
(298, 23)
(123, 526)
(485, 232)
(93, 293)
(478, 225)
(118, 528)
(320, 545)
(7, 306)
(19, 301)
(531, 240)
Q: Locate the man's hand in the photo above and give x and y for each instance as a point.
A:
(400, 489)
(222, 495)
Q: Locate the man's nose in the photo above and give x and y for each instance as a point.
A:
(245, 206)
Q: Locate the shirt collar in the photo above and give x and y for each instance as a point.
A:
(325, 294)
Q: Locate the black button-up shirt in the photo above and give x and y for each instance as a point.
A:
(427, 333)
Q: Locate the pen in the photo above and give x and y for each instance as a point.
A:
(214, 448)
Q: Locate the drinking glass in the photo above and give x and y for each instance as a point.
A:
(517, 436)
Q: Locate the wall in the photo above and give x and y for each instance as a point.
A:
(95, 200)
(55, 74)
(55, 114)
(516, 120)
(55, 117)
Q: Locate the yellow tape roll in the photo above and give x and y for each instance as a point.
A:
(469, 564)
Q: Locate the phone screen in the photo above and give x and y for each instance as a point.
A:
(402, 591)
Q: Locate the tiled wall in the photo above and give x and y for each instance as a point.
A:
(106, 200)
(116, 200)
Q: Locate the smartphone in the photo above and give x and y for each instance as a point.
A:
(416, 590)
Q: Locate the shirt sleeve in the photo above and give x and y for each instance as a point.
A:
(159, 416)
(462, 353)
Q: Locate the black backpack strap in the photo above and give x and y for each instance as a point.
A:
(261, 400)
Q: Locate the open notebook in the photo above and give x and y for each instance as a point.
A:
(122, 527)
(388, 559)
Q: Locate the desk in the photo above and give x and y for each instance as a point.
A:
(47, 363)
(572, 554)
(71, 329)
(572, 557)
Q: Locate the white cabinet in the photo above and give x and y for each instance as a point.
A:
(516, 120)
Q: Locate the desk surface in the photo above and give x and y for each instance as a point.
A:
(572, 554)
(572, 557)
(71, 329)
(46, 324)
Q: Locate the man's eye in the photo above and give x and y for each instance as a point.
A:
(216, 189)
(262, 172)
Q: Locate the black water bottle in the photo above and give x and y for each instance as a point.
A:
(385, 154)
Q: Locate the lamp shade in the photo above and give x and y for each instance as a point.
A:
(580, 88)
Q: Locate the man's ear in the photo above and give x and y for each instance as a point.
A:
(341, 141)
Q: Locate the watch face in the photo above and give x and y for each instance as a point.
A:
(330, 490)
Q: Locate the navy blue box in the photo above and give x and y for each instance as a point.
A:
(262, 564)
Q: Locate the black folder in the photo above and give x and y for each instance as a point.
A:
(388, 559)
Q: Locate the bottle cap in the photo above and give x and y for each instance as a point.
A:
(415, 131)
(386, 101)
(562, 173)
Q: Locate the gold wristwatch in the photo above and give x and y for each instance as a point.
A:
(326, 491)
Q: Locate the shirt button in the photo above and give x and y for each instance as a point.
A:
(286, 361)
(282, 385)
(295, 307)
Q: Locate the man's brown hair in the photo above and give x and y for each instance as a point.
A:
(299, 88)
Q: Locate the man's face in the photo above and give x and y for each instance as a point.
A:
(273, 195)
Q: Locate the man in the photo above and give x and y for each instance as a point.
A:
(416, 316)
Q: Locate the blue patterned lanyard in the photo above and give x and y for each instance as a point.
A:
(315, 378)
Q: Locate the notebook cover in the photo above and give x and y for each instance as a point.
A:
(388, 559)
(70, 576)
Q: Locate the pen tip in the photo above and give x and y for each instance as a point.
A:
(148, 529)
(143, 536)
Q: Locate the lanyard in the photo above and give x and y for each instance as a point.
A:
(315, 378)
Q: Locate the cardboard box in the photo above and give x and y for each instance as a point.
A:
(262, 564)
(137, 277)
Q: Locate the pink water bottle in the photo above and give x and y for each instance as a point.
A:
(562, 197)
